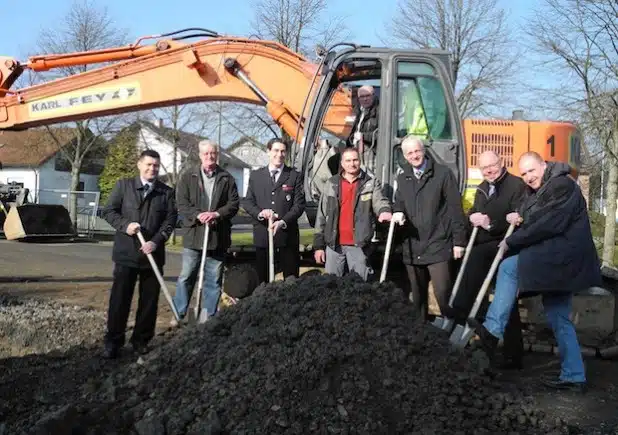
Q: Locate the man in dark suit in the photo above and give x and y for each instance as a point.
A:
(276, 191)
(206, 195)
(143, 204)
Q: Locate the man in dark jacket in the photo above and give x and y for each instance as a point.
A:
(346, 217)
(551, 253)
(429, 206)
(206, 195)
(499, 194)
(144, 204)
(276, 191)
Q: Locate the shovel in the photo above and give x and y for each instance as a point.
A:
(389, 239)
(462, 334)
(166, 292)
(271, 251)
(387, 251)
(443, 322)
(200, 281)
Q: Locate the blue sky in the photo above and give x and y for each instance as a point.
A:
(20, 29)
(21, 26)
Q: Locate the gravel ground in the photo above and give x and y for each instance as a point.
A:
(29, 326)
(316, 355)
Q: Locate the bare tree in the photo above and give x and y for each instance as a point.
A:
(579, 40)
(298, 24)
(477, 36)
(236, 120)
(86, 26)
(176, 121)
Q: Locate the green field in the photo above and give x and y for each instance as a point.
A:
(244, 239)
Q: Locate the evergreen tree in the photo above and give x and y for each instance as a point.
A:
(121, 162)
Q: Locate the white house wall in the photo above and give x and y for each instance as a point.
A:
(147, 139)
(238, 174)
(251, 155)
(51, 180)
(43, 181)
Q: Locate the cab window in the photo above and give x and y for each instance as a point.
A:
(421, 107)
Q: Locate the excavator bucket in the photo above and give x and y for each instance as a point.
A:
(33, 221)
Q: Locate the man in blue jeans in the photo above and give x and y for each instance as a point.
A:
(551, 253)
(205, 195)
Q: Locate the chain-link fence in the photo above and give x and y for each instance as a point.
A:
(88, 220)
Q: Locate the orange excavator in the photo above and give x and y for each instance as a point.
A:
(311, 101)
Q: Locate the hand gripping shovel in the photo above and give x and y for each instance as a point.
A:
(166, 292)
(444, 322)
(462, 334)
(387, 251)
(200, 281)
(271, 251)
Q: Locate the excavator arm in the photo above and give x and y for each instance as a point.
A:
(166, 73)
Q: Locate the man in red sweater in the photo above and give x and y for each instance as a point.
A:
(346, 218)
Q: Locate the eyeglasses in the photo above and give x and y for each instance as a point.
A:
(492, 165)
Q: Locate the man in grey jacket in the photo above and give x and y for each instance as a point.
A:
(206, 195)
(346, 217)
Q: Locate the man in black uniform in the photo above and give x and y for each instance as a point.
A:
(276, 191)
(499, 194)
(143, 204)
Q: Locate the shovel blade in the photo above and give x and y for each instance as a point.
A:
(447, 324)
(438, 322)
(461, 336)
(443, 323)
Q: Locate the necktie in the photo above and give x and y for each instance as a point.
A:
(418, 173)
(146, 189)
(492, 189)
(273, 175)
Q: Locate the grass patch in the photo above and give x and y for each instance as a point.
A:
(246, 239)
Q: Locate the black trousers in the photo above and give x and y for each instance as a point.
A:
(440, 275)
(119, 306)
(288, 259)
(513, 340)
(478, 266)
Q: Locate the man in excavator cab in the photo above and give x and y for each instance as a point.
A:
(365, 128)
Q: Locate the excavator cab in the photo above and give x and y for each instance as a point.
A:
(415, 97)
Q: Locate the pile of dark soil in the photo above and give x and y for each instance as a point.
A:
(317, 355)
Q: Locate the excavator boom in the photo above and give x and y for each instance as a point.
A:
(311, 102)
(163, 74)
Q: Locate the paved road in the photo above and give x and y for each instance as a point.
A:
(64, 261)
